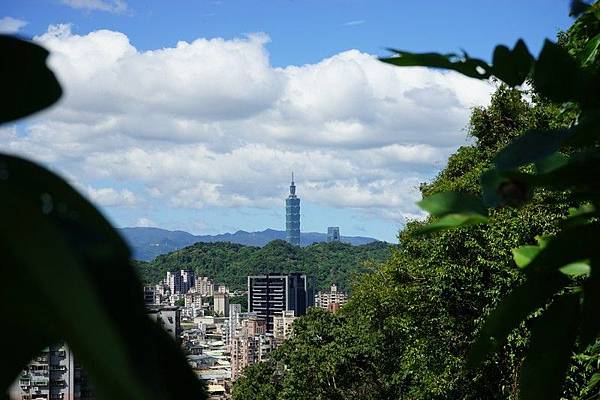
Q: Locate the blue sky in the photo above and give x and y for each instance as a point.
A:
(202, 136)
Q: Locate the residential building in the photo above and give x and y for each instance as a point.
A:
(234, 321)
(334, 296)
(180, 282)
(221, 304)
(250, 346)
(151, 296)
(292, 216)
(193, 299)
(54, 374)
(282, 325)
(271, 294)
(333, 234)
(204, 286)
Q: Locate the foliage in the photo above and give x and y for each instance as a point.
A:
(561, 275)
(72, 266)
(230, 263)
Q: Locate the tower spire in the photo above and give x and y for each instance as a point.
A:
(293, 186)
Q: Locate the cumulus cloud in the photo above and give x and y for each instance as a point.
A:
(11, 25)
(144, 222)
(114, 6)
(110, 197)
(212, 123)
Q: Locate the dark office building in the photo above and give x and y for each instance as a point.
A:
(292, 216)
(269, 294)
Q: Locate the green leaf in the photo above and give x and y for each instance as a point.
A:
(80, 274)
(440, 204)
(25, 80)
(593, 381)
(552, 340)
(512, 66)
(530, 147)
(551, 163)
(558, 77)
(470, 67)
(591, 52)
(570, 245)
(452, 221)
(577, 8)
(590, 323)
(534, 293)
(576, 269)
(524, 254)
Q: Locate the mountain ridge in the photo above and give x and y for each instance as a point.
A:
(149, 242)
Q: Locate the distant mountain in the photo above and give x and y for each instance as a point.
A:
(148, 243)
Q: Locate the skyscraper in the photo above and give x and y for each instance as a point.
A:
(292, 216)
(333, 234)
(269, 295)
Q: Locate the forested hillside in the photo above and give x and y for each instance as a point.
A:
(230, 263)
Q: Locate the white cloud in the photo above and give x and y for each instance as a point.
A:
(110, 197)
(145, 222)
(114, 6)
(212, 123)
(354, 23)
(11, 25)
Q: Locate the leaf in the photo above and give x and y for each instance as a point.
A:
(592, 49)
(512, 66)
(593, 381)
(534, 293)
(557, 76)
(552, 340)
(550, 163)
(440, 204)
(25, 80)
(84, 278)
(451, 221)
(575, 269)
(524, 254)
(570, 245)
(590, 323)
(532, 146)
(577, 8)
(470, 67)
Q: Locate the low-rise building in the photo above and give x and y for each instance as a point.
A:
(334, 296)
(282, 325)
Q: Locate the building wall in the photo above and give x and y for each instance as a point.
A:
(221, 304)
(53, 374)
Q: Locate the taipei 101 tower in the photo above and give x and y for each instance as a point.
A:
(292, 216)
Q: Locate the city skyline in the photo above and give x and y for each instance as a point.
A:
(196, 143)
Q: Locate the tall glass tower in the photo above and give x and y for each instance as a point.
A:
(292, 216)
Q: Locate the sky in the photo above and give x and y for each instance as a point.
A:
(192, 115)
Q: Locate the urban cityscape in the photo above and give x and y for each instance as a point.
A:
(220, 339)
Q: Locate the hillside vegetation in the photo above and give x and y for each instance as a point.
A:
(230, 263)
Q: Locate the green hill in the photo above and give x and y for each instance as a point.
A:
(230, 263)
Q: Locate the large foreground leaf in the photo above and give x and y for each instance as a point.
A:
(552, 338)
(534, 293)
(78, 271)
(27, 84)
